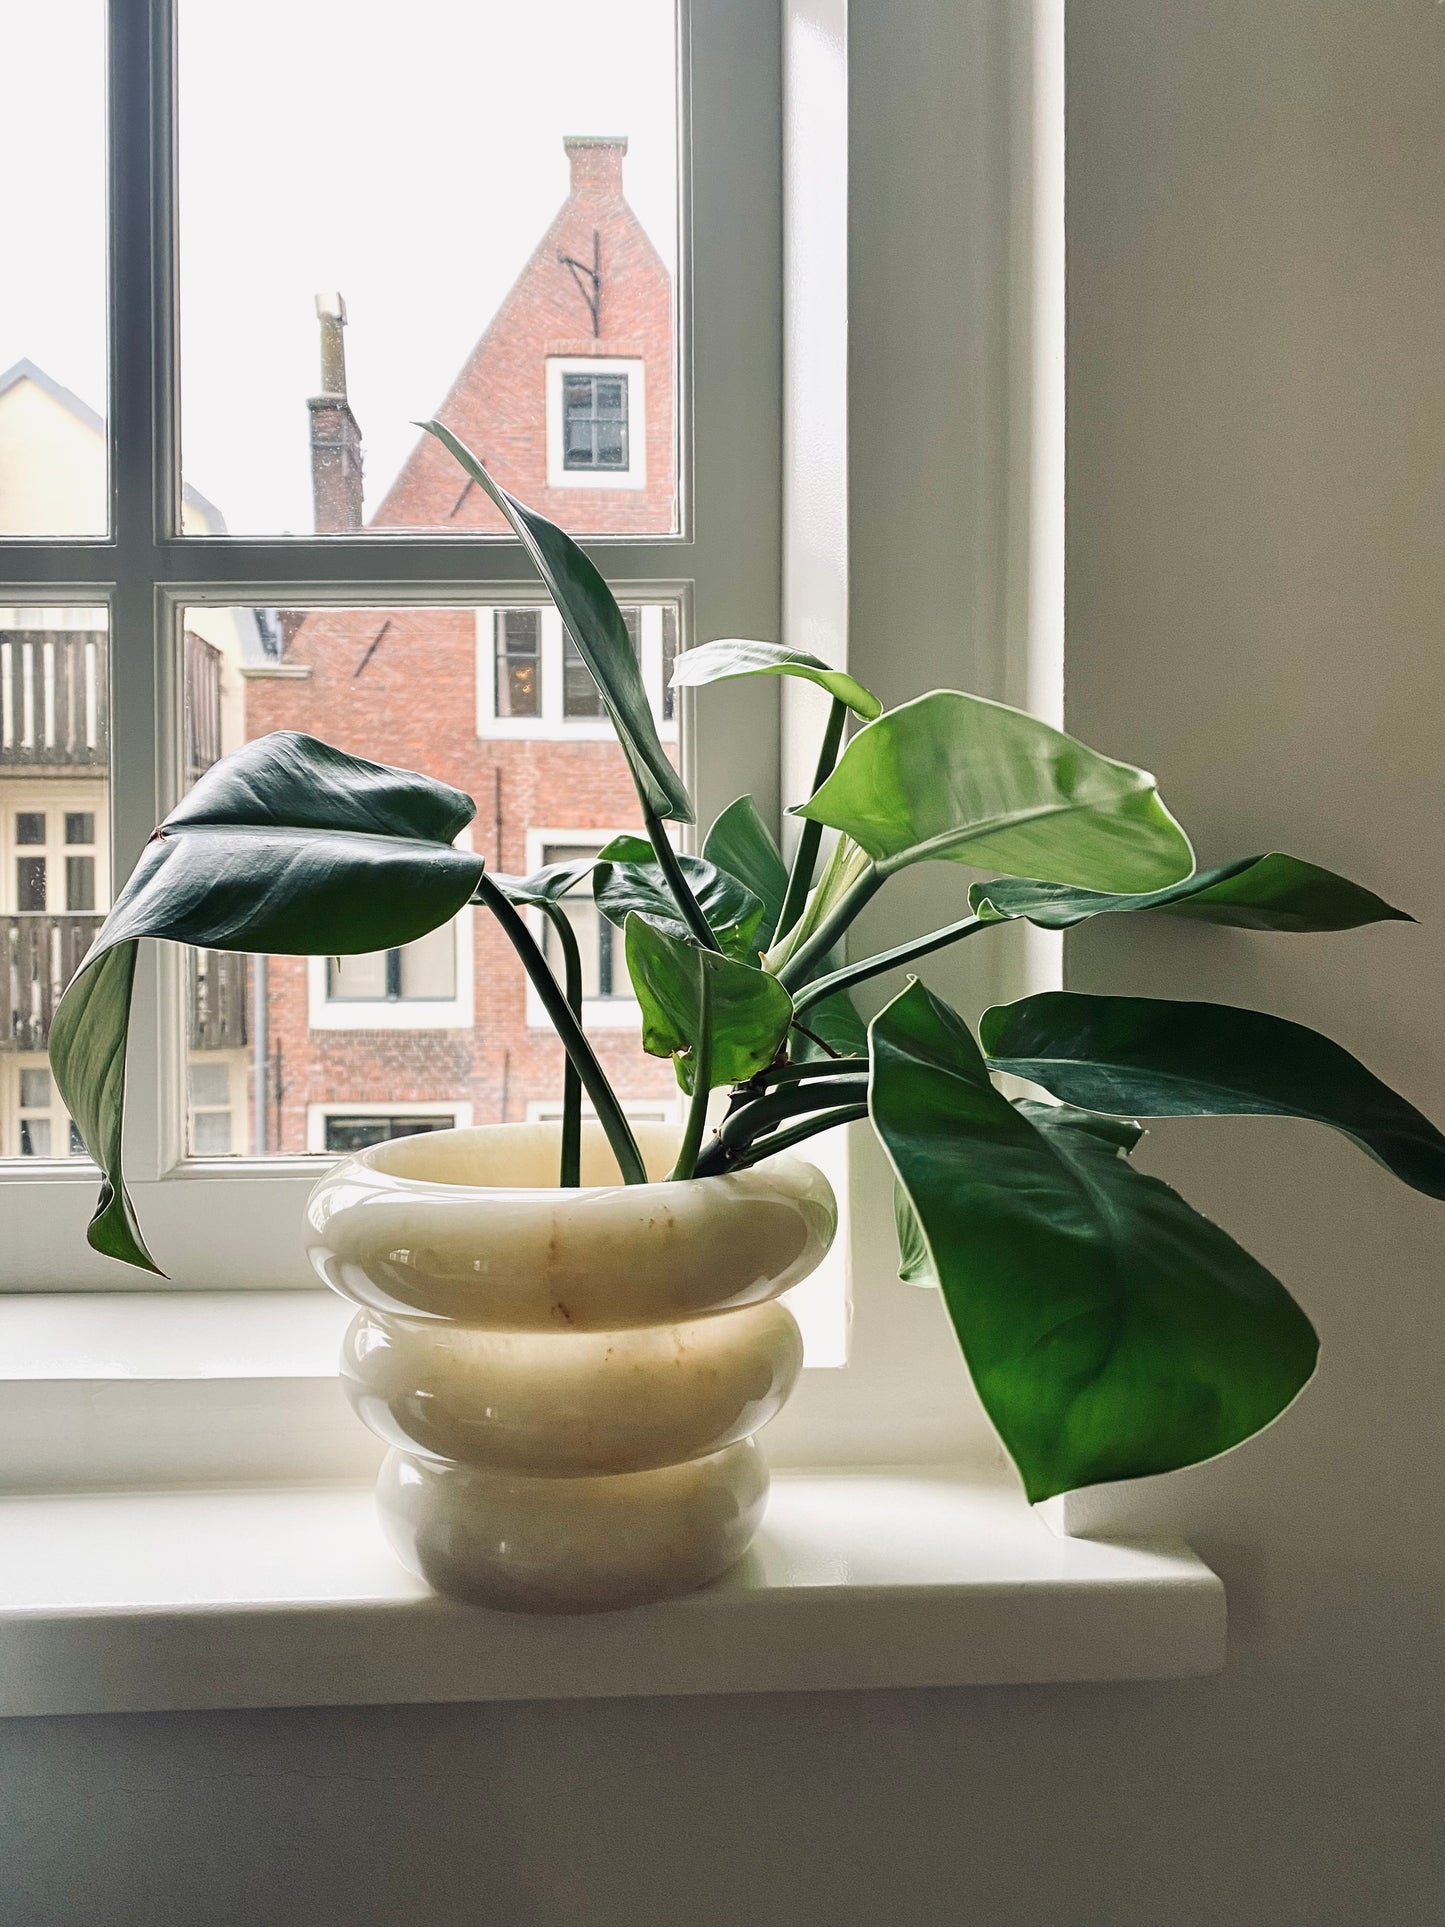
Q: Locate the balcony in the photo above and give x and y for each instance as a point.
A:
(54, 700)
(40, 954)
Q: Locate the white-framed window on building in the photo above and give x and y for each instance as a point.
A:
(532, 681)
(596, 422)
(607, 999)
(425, 985)
(36, 1123)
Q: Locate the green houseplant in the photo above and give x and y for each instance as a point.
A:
(1111, 1331)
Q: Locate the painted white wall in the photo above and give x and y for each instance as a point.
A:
(1256, 604)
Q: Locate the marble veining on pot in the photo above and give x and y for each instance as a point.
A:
(569, 1380)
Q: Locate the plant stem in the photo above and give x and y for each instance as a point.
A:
(859, 973)
(796, 1073)
(574, 1042)
(688, 906)
(701, 1080)
(800, 877)
(718, 1159)
(799, 966)
(764, 1112)
(571, 1174)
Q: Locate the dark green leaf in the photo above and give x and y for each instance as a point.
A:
(724, 660)
(595, 624)
(288, 846)
(546, 886)
(1151, 1057)
(749, 1010)
(836, 1021)
(956, 777)
(742, 844)
(1111, 1331)
(1273, 892)
(729, 906)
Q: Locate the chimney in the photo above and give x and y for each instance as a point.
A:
(335, 437)
(596, 161)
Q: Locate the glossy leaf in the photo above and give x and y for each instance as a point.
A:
(748, 1010)
(287, 847)
(743, 845)
(1273, 892)
(915, 1267)
(1151, 1057)
(595, 624)
(836, 1021)
(725, 660)
(1111, 1331)
(546, 886)
(956, 777)
(734, 913)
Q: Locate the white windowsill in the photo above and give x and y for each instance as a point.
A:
(161, 1601)
(186, 1521)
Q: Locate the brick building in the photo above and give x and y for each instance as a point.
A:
(568, 396)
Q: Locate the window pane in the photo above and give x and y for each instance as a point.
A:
(211, 1134)
(346, 1134)
(35, 1137)
(580, 694)
(519, 662)
(389, 237)
(445, 1024)
(53, 463)
(54, 843)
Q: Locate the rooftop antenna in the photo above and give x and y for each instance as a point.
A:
(589, 280)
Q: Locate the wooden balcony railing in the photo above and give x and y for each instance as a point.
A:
(54, 699)
(40, 954)
(38, 957)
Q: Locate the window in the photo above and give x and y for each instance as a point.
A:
(225, 602)
(594, 421)
(424, 971)
(597, 427)
(341, 1128)
(518, 681)
(546, 692)
(349, 1133)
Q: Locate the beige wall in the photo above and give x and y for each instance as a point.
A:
(1258, 588)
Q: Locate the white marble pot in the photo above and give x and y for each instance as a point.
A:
(569, 1380)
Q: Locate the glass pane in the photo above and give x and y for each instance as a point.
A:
(404, 254)
(329, 1053)
(53, 465)
(54, 848)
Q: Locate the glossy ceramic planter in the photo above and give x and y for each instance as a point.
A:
(569, 1381)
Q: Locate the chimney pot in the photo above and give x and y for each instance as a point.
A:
(596, 161)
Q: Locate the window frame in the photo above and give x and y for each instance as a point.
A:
(559, 369)
(723, 564)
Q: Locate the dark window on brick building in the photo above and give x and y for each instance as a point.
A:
(519, 662)
(421, 972)
(580, 695)
(594, 421)
(597, 941)
(355, 1133)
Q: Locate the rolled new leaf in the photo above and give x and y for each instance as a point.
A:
(726, 660)
(743, 845)
(747, 1011)
(289, 847)
(595, 624)
(1152, 1057)
(1272, 892)
(957, 777)
(732, 910)
(1111, 1331)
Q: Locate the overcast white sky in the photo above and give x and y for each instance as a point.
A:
(409, 157)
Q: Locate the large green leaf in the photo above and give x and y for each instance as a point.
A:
(836, 1022)
(1111, 1331)
(732, 657)
(595, 624)
(743, 845)
(955, 776)
(288, 846)
(546, 886)
(1151, 1057)
(1273, 892)
(748, 1010)
(734, 913)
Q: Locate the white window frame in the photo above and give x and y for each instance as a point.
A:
(634, 476)
(324, 1012)
(317, 1115)
(928, 574)
(552, 724)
